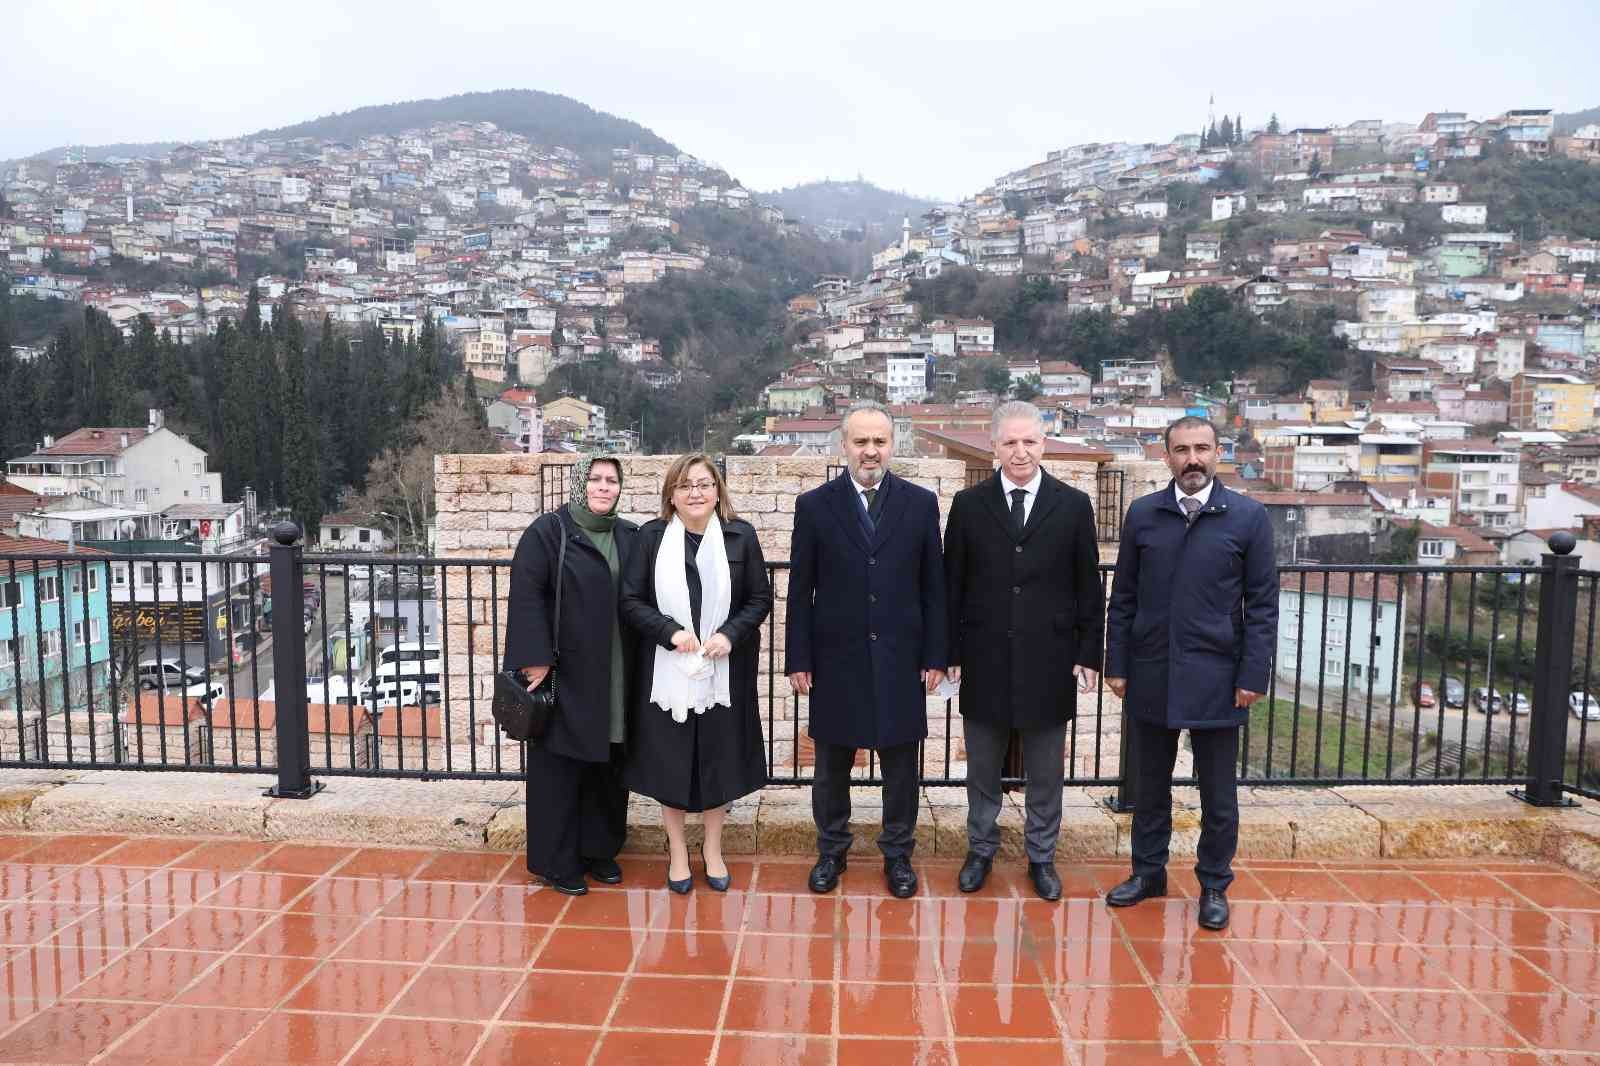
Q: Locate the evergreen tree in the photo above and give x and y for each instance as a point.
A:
(1238, 128)
(252, 314)
(1272, 125)
(469, 400)
(1204, 139)
(1212, 137)
(236, 417)
(302, 477)
(1315, 166)
(1225, 134)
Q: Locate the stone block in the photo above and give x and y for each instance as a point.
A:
(508, 829)
(1454, 821)
(16, 800)
(483, 501)
(463, 520)
(155, 803)
(485, 538)
(784, 825)
(444, 814)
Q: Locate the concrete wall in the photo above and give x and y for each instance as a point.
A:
(486, 501)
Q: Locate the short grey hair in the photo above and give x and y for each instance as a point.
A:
(861, 406)
(1014, 409)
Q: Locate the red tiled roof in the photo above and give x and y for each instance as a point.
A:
(1357, 587)
(1312, 499)
(95, 440)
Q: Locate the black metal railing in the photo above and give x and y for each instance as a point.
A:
(1108, 503)
(313, 665)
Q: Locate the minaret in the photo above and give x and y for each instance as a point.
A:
(905, 234)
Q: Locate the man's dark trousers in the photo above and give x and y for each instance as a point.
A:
(1216, 754)
(830, 798)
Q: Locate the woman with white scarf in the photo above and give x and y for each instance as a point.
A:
(696, 587)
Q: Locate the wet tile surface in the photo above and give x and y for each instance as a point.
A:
(146, 950)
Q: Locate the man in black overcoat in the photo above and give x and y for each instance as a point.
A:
(1026, 621)
(1190, 630)
(866, 639)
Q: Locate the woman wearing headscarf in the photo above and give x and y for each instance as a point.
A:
(697, 589)
(577, 804)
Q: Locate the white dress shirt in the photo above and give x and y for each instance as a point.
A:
(1204, 495)
(1007, 487)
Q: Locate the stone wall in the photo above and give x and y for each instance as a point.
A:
(486, 501)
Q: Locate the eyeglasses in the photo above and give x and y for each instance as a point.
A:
(691, 487)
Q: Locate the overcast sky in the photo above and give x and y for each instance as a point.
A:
(933, 98)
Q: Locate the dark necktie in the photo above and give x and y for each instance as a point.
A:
(1019, 501)
(1191, 507)
(871, 496)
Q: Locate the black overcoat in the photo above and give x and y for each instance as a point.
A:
(582, 727)
(1193, 612)
(1024, 608)
(867, 611)
(731, 757)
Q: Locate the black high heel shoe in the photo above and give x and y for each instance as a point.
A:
(682, 888)
(718, 884)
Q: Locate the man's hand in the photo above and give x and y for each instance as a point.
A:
(1118, 686)
(683, 640)
(800, 683)
(931, 680)
(534, 676)
(1243, 697)
(717, 646)
(954, 674)
(1088, 678)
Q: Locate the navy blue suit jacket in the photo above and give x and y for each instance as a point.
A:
(866, 611)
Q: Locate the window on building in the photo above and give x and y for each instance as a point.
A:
(1335, 667)
(77, 634)
(51, 639)
(140, 496)
(1430, 549)
(147, 574)
(1355, 671)
(119, 574)
(117, 496)
(188, 574)
(195, 469)
(49, 588)
(11, 594)
(365, 536)
(95, 631)
(205, 492)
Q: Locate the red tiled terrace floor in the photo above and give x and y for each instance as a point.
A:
(195, 952)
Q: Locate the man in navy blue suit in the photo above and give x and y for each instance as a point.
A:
(1190, 630)
(866, 639)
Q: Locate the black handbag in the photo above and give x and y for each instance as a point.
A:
(525, 715)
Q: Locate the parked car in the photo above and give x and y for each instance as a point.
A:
(1584, 706)
(1517, 703)
(1455, 693)
(1486, 701)
(169, 673)
(1422, 694)
(403, 694)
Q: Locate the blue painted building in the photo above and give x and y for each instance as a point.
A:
(55, 631)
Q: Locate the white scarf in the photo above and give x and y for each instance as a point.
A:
(689, 681)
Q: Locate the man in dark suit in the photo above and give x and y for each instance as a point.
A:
(1190, 631)
(1026, 619)
(866, 639)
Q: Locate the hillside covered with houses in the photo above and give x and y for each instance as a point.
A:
(1401, 313)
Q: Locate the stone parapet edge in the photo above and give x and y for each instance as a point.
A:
(1346, 823)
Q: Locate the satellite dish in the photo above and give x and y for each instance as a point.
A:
(127, 525)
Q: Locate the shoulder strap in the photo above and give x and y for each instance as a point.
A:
(561, 566)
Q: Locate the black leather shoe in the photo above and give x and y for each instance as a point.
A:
(901, 877)
(1213, 909)
(1136, 888)
(606, 871)
(567, 886)
(974, 872)
(825, 874)
(1046, 882)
